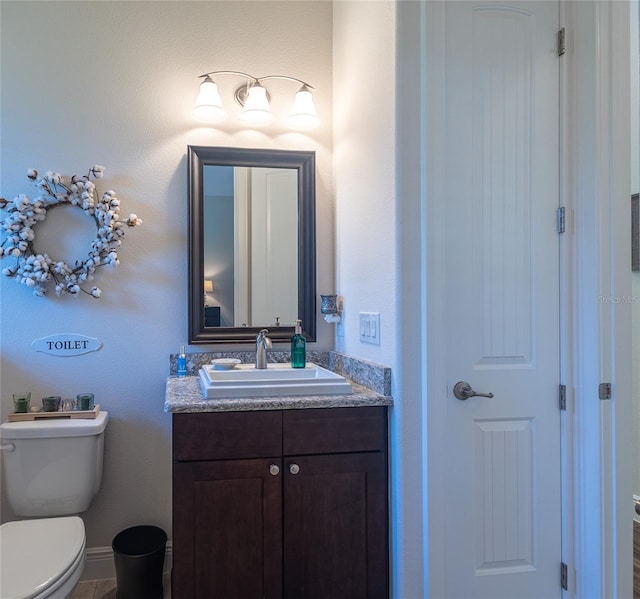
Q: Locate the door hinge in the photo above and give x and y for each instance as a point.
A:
(564, 583)
(560, 217)
(604, 391)
(562, 46)
(563, 397)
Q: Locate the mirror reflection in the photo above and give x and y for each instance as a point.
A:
(250, 246)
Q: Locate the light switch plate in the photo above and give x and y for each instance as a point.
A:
(370, 327)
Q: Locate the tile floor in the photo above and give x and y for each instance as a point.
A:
(106, 589)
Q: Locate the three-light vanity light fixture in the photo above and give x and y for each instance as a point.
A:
(254, 99)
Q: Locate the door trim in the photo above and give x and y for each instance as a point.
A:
(596, 343)
(597, 348)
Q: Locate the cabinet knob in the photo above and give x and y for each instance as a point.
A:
(274, 470)
(294, 468)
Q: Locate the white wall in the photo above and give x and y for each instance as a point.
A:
(113, 83)
(371, 49)
(364, 171)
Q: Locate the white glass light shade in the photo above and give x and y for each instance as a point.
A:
(208, 286)
(208, 108)
(256, 107)
(303, 112)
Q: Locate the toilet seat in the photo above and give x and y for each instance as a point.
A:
(38, 557)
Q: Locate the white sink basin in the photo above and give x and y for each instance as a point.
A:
(277, 380)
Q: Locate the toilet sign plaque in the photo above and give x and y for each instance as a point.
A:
(66, 344)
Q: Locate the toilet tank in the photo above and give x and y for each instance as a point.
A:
(53, 466)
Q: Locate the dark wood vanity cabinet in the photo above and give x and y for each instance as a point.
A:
(276, 504)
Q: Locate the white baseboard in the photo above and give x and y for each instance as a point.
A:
(99, 564)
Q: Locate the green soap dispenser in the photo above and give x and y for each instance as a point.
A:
(298, 348)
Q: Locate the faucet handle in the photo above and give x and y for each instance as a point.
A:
(262, 338)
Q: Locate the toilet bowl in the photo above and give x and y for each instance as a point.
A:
(41, 558)
(52, 471)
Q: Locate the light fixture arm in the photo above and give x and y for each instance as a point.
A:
(287, 78)
(239, 73)
(259, 79)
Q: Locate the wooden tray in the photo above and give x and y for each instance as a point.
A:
(21, 417)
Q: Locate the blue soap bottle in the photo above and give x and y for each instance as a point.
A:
(182, 363)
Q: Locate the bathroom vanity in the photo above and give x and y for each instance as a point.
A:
(279, 497)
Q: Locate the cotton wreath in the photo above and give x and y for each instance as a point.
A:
(37, 270)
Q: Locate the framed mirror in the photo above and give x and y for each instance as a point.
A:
(252, 244)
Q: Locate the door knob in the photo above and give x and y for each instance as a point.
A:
(274, 470)
(294, 468)
(463, 390)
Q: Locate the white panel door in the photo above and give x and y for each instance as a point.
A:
(274, 246)
(502, 289)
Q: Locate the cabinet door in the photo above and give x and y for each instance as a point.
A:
(335, 526)
(227, 529)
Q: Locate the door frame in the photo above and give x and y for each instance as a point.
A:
(596, 335)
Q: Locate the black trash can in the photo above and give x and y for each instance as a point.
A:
(138, 553)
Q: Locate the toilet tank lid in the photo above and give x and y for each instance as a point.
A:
(54, 427)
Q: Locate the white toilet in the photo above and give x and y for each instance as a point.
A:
(52, 471)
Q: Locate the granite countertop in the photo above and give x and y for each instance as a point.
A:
(183, 395)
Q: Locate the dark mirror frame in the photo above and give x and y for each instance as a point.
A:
(304, 162)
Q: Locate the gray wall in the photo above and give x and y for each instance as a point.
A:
(113, 83)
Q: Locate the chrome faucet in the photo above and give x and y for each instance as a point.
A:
(263, 343)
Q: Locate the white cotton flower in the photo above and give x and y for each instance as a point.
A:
(39, 291)
(95, 292)
(15, 252)
(29, 282)
(133, 220)
(32, 173)
(97, 171)
(73, 289)
(53, 177)
(27, 234)
(8, 272)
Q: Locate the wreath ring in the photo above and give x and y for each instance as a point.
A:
(37, 270)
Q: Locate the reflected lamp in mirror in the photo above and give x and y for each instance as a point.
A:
(255, 101)
(331, 308)
(208, 288)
